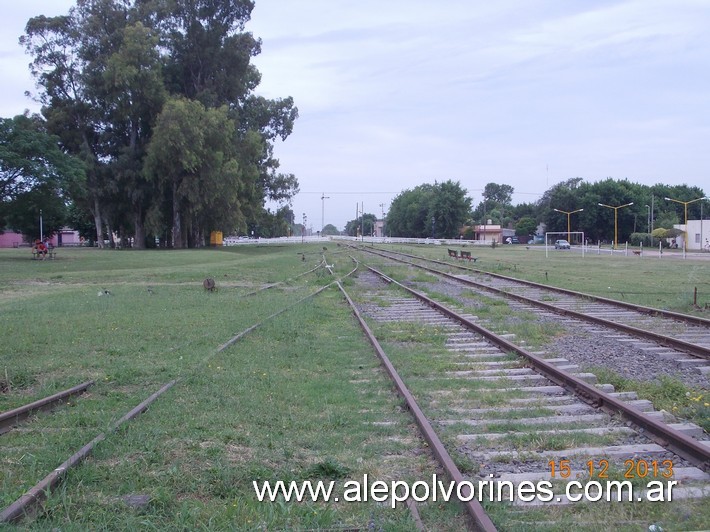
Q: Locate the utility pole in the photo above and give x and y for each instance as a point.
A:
(648, 218)
(362, 222)
(484, 219)
(322, 212)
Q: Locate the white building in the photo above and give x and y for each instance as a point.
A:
(698, 235)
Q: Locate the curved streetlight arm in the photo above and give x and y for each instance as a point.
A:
(685, 205)
(568, 213)
(616, 225)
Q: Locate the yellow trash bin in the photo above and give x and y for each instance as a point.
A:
(216, 238)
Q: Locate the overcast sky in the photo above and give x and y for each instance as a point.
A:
(396, 93)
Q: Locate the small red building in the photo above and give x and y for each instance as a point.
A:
(65, 237)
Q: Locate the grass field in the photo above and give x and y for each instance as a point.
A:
(302, 397)
(667, 283)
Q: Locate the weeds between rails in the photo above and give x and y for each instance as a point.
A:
(681, 444)
(411, 360)
(474, 509)
(35, 495)
(682, 392)
(700, 332)
(621, 279)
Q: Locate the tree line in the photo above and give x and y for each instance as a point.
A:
(444, 210)
(150, 127)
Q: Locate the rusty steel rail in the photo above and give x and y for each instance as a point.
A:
(38, 492)
(272, 285)
(236, 337)
(473, 507)
(672, 439)
(686, 318)
(666, 341)
(23, 506)
(12, 417)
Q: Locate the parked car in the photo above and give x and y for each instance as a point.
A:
(561, 244)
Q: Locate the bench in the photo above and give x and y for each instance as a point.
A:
(51, 254)
(467, 255)
(453, 253)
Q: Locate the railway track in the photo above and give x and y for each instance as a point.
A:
(671, 331)
(26, 504)
(518, 417)
(13, 417)
(478, 391)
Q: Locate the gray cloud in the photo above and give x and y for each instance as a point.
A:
(393, 94)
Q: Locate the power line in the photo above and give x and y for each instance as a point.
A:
(359, 193)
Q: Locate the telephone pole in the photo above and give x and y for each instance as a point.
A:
(322, 212)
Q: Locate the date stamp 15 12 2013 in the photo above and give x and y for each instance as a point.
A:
(632, 469)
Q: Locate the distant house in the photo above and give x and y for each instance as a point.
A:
(10, 239)
(65, 237)
(488, 232)
(698, 234)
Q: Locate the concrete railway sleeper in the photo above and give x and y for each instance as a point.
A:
(685, 318)
(688, 334)
(473, 507)
(541, 400)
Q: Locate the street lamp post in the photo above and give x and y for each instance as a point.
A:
(616, 224)
(701, 228)
(41, 228)
(568, 225)
(648, 219)
(685, 225)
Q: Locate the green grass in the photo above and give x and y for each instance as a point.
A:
(666, 393)
(270, 408)
(302, 397)
(411, 332)
(643, 281)
(436, 395)
(528, 442)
